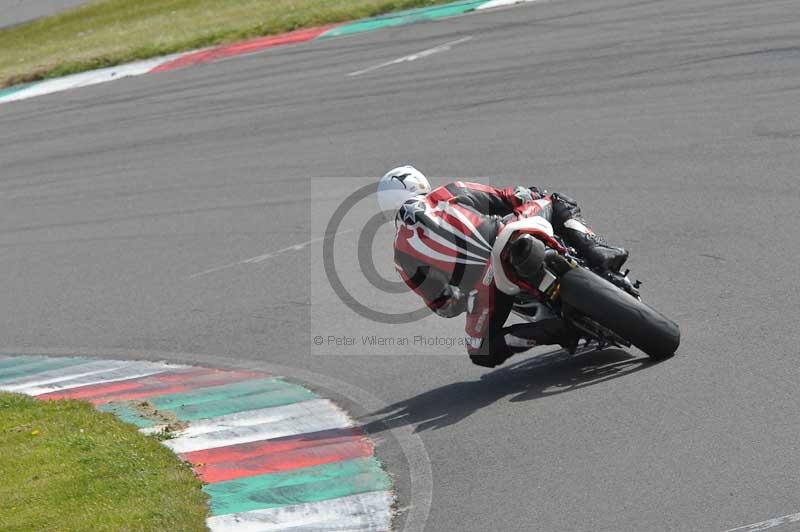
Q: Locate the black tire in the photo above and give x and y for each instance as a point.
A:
(611, 307)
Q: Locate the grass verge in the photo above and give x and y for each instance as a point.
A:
(110, 32)
(65, 466)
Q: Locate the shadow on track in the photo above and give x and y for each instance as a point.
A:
(540, 376)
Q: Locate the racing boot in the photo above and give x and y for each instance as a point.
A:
(572, 227)
(552, 331)
(591, 247)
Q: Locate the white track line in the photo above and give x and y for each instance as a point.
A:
(413, 57)
(769, 523)
(257, 425)
(501, 3)
(365, 512)
(265, 256)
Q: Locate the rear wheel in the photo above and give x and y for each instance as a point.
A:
(601, 301)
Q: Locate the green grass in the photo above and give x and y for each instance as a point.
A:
(109, 32)
(64, 466)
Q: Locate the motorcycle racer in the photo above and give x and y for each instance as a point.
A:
(443, 248)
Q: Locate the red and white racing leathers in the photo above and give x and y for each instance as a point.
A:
(442, 251)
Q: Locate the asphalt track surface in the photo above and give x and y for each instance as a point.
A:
(16, 11)
(674, 123)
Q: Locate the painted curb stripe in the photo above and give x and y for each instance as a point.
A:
(35, 366)
(275, 455)
(250, 459)
(16, 88)
(9, 361)
(275, 445)
(267, 399)
(246, 47)
(168, 383)
(334, 453)
(221, 393)
(290, 420)
(85, 79)
(106, 392)
(12, 362)
(252, 417)
(63, 374)
(195, 57)
(216, 401)
(365, 512)
(124, 372)
(401, 18)
(311, 484)
(127, 413)
(247, 396)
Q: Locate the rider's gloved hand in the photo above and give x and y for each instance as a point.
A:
(451, 302)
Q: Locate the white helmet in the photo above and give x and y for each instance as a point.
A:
(398, 186)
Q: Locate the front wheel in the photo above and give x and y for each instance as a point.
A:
(641, 325)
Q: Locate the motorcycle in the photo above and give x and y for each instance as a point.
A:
(606, 307)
